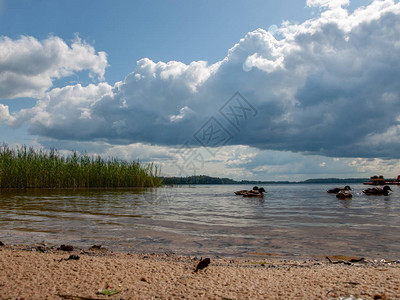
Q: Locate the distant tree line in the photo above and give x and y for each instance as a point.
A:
(203, 179)
(336, 180)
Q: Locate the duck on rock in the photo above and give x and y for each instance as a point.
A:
(344, 194)
(337, 190)
(242, 192)
(378, 191)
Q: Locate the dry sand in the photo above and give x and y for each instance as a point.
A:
(27, 273)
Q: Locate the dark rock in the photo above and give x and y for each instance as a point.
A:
(95, 247)
(1, 244)
(66, 248)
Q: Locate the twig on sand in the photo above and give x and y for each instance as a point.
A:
(349, 262)
(72, 297)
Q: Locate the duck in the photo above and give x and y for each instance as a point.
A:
(344, 194)
(378, 191)
(242, 192)
(256, 194)
(337, 190)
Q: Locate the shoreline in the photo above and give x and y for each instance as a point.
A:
(41, 272)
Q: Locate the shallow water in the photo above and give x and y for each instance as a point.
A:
(294, 220)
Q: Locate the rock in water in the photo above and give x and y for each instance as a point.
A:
(95, 247)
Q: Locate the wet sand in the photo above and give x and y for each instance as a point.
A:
(40, 272)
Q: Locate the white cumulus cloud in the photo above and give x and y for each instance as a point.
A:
(328, 3)
(4, 113)
(29, 66)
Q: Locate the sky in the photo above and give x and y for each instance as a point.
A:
(257, 90)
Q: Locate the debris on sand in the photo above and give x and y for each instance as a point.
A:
(71, 257)
(203, 264)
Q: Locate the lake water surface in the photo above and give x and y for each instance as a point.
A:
(294, 220)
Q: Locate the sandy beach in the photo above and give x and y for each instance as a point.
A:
(41, 272)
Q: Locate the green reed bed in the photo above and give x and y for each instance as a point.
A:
(25, 167)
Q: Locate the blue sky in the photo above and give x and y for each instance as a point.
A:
(160, 30)
(147, 79)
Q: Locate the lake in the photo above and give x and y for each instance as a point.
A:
(293, 220)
